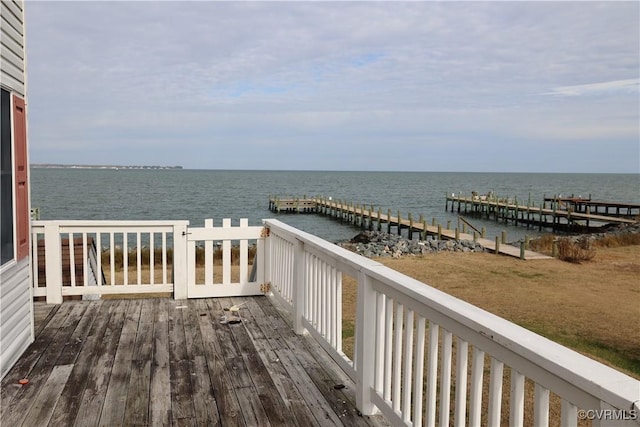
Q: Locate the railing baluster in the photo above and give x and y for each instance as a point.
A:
(516, 407)
(318, 299)
(397, 356)
(541, 406)
(139, 257)
(85, 260)
(388, 349)
(475, 399)
(365, 335)
(339, 311)
(569, 414)
(112, 258)
(323, 307)
(298, 289)
(275, 259)
(418, 384)
(191, 267)
(445, 377)
(99, 250)
(164, 258)
(407, 374)
(331, 332)
(290, 263)
(226, 255)
(208, 256)
(495, 392)
(244, 254)
(284, 267)
(327, 300)
(462, 361)
(34, 259)
(312, 290)
(432, 374)
(320, 296)
(312, 293)
(380, 335)
(307, 283)
(125, 257)
(72, 260)
(284, 276)
(151, 258)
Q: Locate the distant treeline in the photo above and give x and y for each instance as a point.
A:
(59, 166)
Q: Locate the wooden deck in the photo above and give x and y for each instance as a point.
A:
(164, 362)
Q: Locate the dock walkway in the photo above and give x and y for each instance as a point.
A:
(370, 218)
(561, 211)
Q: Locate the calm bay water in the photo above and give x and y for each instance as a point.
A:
(198, 194)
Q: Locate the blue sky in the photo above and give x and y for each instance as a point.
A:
(424, 86)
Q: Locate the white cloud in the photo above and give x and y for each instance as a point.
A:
(386, 72)
(611, 87)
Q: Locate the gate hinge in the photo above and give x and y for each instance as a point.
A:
(265, 287)
(264, 232)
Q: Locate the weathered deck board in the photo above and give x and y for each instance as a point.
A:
(42, 409)
(137, 405)
(164, 362)
(114, 402)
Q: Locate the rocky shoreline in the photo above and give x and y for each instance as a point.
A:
(373, 244)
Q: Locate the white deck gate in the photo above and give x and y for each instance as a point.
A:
(218, 240)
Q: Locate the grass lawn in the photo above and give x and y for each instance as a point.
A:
(593, 307)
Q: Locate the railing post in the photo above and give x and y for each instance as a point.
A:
(266, 246)
(53, 263)
(365, 344)
(180, 261)
(299, 287)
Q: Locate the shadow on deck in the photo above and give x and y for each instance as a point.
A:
(165, 362)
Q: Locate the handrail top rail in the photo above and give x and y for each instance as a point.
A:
(352, 259)
(595, 378)
(109, 223)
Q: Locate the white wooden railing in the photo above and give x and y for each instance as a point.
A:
(73, 254)
(423, 357)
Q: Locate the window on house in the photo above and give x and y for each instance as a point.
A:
(6, 182)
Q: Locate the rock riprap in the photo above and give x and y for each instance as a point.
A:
(373, 244)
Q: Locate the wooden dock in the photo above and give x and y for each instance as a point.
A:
(151, 362)
(374, 219)
(597, 207)
(293, 205)
(554, 213)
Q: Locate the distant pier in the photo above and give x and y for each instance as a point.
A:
(556, 213)
(373, 219)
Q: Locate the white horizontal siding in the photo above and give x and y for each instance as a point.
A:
(12, 13)
(12, 70)
(16, 314)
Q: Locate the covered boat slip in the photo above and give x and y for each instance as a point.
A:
(165, 362)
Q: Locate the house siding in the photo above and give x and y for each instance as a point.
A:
(16, 305)
(12, 51)
(16, 313)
